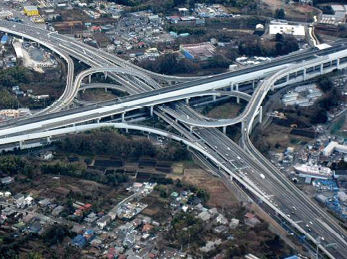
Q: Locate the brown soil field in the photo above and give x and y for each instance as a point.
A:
(97, 95)
(225, 111)
(293, 12)
(220, 195)
(282, 136)
(273, 4)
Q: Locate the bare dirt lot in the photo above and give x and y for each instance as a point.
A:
(225, 111)
(279, 136)
(299, 12)
(220, 196)
(273, 4)
(158, 208)
(97, 95)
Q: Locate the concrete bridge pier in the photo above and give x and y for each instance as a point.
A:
(321, 69)
(232, 86)
(123, 117)
(237, 89)
(105, 90)
(48, 140)
(191, 129)
(187, 100)
(151, 110)
(242, 127)
(21, 144)
(90, 79)
(304, 74)
(260, 114)
(224, 129)
(214, 98)
(105, 74)
(253, 84)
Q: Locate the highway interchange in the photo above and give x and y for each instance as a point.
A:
(244, 164)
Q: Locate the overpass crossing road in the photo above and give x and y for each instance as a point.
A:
(89, 55)
(76, 48)
(57, 120)
(275, 190)
(311, 214)
(101, 86)
(149, 99)
(278, 190)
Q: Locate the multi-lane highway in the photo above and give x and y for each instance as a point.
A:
(169, 94)
(248, 166)
(89, 55)
(273, 186)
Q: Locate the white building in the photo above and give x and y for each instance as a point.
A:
(338, 17)
(309, 171)
(283, 27)
(329, 149)
(259, 26)
(302, 95)
(234, 223)
(102, 222)
(22, 201)
(7, 180)
(46, 155)
(340, 11)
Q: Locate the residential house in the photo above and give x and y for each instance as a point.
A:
(57, 210)
(204, 216)
(221, 219)
(46, 155)
(147, 228)
(234, 223)
(251, 220)
(44, 202)
(102, 222)
(35, 227)
(79, 241)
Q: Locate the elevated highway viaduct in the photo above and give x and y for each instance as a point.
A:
(334, 58)
(302, 71)
(92, 56)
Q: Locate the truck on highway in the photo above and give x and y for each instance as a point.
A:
(262, 176)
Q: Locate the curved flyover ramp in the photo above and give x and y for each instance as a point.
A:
(209, 122)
